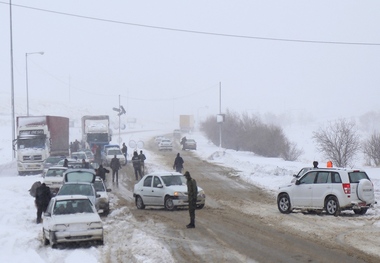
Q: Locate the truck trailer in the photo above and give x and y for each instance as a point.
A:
(186, 123)
(39, 137)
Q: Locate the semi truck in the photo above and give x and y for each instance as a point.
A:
(96, 130)
(39, 137)
(186, 123)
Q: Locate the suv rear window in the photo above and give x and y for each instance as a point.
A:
(356, 176)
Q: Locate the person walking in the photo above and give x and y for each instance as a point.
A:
(136, 165)
(142, 159)
(102, 172)
(183, 142)
(115, 166)
(124, 150)
(178, 163)
(43, 196)
(192, 193)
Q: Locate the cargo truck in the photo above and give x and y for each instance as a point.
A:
(39, 137)
(186, 123)
(96, 131)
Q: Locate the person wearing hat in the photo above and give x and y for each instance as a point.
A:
(192, 193)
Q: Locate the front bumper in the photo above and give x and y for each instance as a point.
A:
(77, 236)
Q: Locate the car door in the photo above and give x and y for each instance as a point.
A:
(303, 190)
(158, 192)
(321, 188)
(146, 190)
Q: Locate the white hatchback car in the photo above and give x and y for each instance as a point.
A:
(71, 218)
(165, 144)
(167, 189)
(329, 189)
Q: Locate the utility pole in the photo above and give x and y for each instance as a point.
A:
(220, 112)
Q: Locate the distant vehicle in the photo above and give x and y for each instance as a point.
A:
(90, 155)
(328, 189)
(39, 137)
(80, 156)
(105, 147)
(111, 152)
(167, 189)
(51, 161)
(54, 178)
(71, 218)
(190, 144)
(186, 123)
(95, 130)
(104, 200)
(158, 139)
(177, 134)
(77, 164)
(165, 144)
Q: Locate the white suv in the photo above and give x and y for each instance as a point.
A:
(329, 189)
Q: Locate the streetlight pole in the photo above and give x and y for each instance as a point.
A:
(27, 90)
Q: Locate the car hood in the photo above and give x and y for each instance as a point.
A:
(181, 188)
(52, 179)
(76, 218)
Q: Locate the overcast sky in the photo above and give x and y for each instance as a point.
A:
(144, 51)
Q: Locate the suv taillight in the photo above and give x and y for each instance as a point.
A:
(347, 188)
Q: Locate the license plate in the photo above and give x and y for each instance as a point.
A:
(362, 204)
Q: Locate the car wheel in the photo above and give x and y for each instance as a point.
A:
(45, 241)
(332, 206)
(361, 211)
(169, 204)
(283, 203)
(139, 202)
(200, 206)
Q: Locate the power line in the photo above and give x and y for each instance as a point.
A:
(201, 32)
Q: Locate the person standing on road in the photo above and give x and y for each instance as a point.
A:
(192, 193)
(115, 166)
(124, 150)
(142, 159)
(136, 165)
(178, 163)
(43, 196)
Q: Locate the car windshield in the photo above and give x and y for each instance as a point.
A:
(76, 189)
(54, 172)
(356, 176)
(114, 152)
(174, 180)
(66, 207)
(99, 186)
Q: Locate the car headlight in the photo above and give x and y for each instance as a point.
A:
(95, 225)
(60, 227)
(202, 194)
(179, 194)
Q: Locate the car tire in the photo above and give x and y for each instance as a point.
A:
(169, 204)
(332, 206)
(361, 211)
(200, 206)
(139, 203)
(45, 241)
(283, 203)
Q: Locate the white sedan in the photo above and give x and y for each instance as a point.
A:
(167, 189)
(71, 218)
(165, 144)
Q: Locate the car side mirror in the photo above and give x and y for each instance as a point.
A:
(160, 186)
(297, 182)
(294, 175)
(109, 190)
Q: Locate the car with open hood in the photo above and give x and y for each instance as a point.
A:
(167, 189)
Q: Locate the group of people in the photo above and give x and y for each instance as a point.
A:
(138, 162)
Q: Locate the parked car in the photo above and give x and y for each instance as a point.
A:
(167, 189)
(111, 152)
(104, 200)
(80, 156)
(328, 189)
(80, 182)
(158, 139)
(190, 144)
(71, 218)
(90, 155)
(165, 144)
(105, 147)
(54, 178)
(77, 164)
(51, 161)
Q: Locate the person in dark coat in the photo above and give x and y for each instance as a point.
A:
(102, 172)
(43, 196)
(136, 162)
(66, 163)
(183, 141)
(192, 193)
(85, 164)
(124, 150)
(142, 160)
(115, 166)
(315, 164)
(178, 163)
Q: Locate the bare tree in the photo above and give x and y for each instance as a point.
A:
(291, 152)
(371, 149)
(339, 142)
